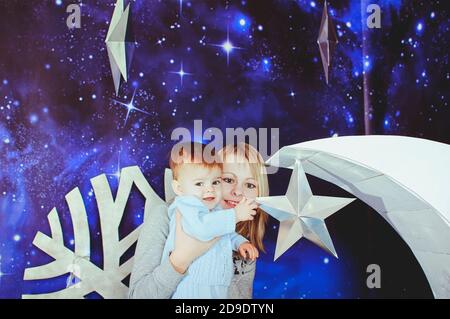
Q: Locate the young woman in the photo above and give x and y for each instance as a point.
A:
(244, 175)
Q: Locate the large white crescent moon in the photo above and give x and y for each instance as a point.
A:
(406, 180)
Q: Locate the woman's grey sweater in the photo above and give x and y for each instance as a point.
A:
(150, 279)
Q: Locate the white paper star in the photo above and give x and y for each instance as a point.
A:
(118, 44)
(302, 214)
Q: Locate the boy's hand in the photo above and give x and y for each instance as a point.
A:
(247, 249)
(245, 210)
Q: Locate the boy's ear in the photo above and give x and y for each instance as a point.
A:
(176, 187)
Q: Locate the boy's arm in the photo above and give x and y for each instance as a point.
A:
(237, 240)
(204, 225)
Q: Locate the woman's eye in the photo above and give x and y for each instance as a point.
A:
(199, 184)
(251, 186)
(227, 180)
(216, 182)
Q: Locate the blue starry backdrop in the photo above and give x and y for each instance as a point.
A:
(230, 64)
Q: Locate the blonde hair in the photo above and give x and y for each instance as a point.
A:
(254, 229)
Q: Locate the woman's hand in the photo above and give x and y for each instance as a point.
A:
(187, 248)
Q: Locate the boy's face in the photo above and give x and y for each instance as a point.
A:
(201, 182)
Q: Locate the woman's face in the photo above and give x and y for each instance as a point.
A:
(237, 182)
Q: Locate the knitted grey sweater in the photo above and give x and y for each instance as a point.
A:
(150, 279)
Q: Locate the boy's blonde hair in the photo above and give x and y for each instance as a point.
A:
(191, 153)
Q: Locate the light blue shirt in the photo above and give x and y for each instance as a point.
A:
(209, 276)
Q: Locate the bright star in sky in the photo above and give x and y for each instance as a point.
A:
(181, 73)
(130, 107)
(227, 46)
(419, 26)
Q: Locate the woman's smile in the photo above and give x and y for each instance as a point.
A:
(231, 203)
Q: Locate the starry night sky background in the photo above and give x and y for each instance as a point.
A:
(60, 123)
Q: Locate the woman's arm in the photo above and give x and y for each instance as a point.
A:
(149, 278)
